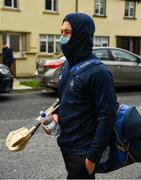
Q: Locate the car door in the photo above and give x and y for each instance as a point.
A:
(128, 68)
(106, 58)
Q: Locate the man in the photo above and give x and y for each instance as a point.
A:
(7, 56)
(88, 102)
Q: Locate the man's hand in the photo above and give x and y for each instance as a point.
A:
(90, 166)
(45, 122)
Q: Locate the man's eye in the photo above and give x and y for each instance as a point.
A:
(68, 32)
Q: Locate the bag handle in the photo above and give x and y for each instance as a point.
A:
(124, 147)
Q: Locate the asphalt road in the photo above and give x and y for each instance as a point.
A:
(41, 159)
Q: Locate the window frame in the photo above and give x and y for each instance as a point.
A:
(57, 40)
(53, 9)
(12, 5)
(18, 53)
(99, 8)
(129, 7)
(102, 41)
(46, 40)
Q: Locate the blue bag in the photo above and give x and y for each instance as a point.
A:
(121, 156)
(126, 147)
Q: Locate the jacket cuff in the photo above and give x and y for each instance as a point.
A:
(94, 157)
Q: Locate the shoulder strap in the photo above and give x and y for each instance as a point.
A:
(83, 66)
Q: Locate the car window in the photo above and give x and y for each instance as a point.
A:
(102, 54)
(123, 56)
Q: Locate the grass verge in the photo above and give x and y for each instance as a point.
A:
(32, 83)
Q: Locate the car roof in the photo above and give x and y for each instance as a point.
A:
(94, 48)
(115, 48)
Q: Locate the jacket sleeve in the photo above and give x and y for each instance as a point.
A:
(103, 94)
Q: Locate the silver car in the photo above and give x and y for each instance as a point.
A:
(47, 73)
(124, 65)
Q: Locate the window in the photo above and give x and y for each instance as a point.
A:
(14, 41)
(102, 54)
(129, 43)
(10, 3)
(49, 44)
(123, 56)
(101, 41)
(130, 9)
(51, 5)
(100, 7)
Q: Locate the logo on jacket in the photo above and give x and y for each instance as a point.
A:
(71, 84)
(60, 77)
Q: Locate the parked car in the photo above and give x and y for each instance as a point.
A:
(124, 65)
(47, 73)
(6, 79)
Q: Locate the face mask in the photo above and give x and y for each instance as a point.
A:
(64, 40)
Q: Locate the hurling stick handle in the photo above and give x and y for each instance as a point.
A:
(50, 109)
(39, 123)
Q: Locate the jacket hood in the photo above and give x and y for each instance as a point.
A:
(80, 45)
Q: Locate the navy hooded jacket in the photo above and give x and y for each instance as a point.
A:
(88, 102)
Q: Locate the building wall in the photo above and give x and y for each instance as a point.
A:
(31, 18)
(114, 24)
